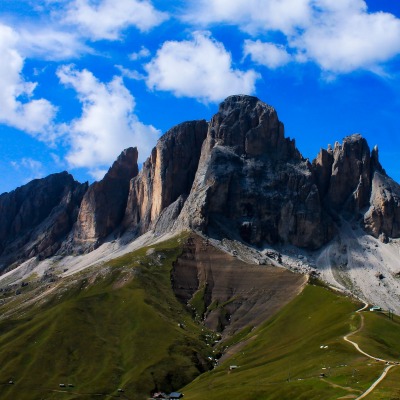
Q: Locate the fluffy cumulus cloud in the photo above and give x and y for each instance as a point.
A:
(340, 36)
(348, 38)
(18, 108)
(251, 15)
(200, 68)
(107, 123)
(106, 19)
(267, 54)
(51, 44)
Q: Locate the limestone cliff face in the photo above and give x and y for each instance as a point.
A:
(36, 217)
(166, 176)
(344, 174)
(236, 175)
(353, 183)
(104, 203)
(253, 181)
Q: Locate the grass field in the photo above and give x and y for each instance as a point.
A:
(119, 325)
(119, 331)
(283, 358)
(381, 335)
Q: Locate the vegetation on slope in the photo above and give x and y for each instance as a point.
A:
(380, 336)
(118, 327)
(298, 354)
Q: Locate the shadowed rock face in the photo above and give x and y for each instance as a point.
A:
(352, 182)
(236, 175)
(35, 218)
(383, 216)
(344, 174)
(104, 203)
(166, 175)
(253, 180)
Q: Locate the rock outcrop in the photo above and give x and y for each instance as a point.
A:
(103, 205)
(383, 216)
(166, 175)
(353, 184)
(235, 176)
(36, 217)
(254, 182)
(344, 175)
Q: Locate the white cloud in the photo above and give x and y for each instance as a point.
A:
(107, 124)
(142, 53)
(17, 106)
(348, 39)
(130, 74)
(33, 169)
(200, 68)
(267, 54)
(98, 173)
(51, 44)
(251, 15)
(105, 19)
(341, 36)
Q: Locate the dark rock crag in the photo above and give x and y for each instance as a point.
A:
(166, 177)
(352, 183)
(103, 205)
(37, 217)
(254, 181)
(236, 175)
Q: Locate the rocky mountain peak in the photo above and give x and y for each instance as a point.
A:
(125, 166)
(253, 182)
(104, 203)
(344, 174)
(166, 177)
(250, 127)
(37, 217)
(237, 176)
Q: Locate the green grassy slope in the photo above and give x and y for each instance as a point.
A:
(120, 325)
(380, 336)
(283, 358)
(119, 331)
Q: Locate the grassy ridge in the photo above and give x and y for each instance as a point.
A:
(381, 336)
(283, 359)
(122, 330)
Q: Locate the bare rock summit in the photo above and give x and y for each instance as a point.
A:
(235, 176)
(103, 205)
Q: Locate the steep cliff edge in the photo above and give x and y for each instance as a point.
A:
(353, 184)
(166, 177)
(254, 181)
(235, 176)
(104, 203)
(36, 217)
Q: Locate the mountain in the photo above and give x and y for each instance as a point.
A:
(236, 176)
(228, 265)
(36, 218)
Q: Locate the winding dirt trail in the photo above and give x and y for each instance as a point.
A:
(376, 383)
(357, 347)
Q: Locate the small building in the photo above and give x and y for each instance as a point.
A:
(231, 367)
(159, 395)
(175, 395)
(375, 308)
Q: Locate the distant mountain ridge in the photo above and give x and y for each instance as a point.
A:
(236, 175)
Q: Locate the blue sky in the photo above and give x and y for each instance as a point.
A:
(83, 79)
